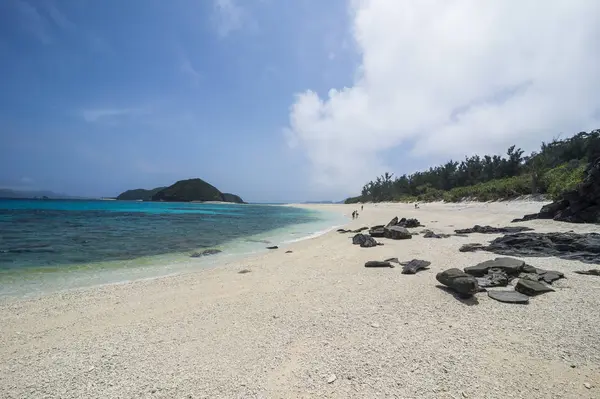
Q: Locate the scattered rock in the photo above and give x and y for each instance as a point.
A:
(377, 231)
(375, 325)
(591, 272)
(587, 385)
(397, 233)
(273, 247)
(508, 296)
(413, 266)
(360, 230)
(206, 252)
(458, 281)
(395, 260)
(408, 223)
(581, 205)
(492, 230)
(331, 379)
(510, 266)
(377, 263)
(572, 246)
(392, 222)
(531, 288)
(431, 234)
(244, 271)
(364, 241)
(493, 279)
(288, 252)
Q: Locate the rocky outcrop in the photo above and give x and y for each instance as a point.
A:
(194, 190)
(492, 230)
(364, 241)
(581, 205)
(572, 246)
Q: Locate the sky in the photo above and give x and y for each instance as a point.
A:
(283, 100)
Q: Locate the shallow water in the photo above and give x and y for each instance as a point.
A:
(55, 244)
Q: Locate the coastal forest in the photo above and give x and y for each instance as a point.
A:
(557, 167)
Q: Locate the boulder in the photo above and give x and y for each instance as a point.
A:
(377, 263)
(413, 266)
(459, 281)
(492, 230)
(377, 232)
(431, 234)
(408, 223)
(364, 241)
(581, 205)
(510, 266)
(397, 233)
(392, 222)
(591, 272)
(531, 288)
(508, 296)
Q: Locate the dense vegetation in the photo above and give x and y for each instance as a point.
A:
(139, 194)
(193, 190)
(557, 167)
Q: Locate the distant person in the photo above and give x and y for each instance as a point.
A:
(416, 206)
(353, 214)
(361, 208)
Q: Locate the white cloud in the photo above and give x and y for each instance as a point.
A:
(109, 114)
(228, 17)
(449, 78)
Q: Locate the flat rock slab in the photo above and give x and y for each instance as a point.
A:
(497, 279)
(493, 230)
(377, 232)
(591, 272)
(459, 281)
(377, 263)
(510, 266)
(273, 247)
(509, 297)
(531, 288)
(413, 266)
(395, 260)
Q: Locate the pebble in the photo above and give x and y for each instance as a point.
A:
(587, 385)
(331, 378)
(375, 325)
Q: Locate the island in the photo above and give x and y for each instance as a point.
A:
(190, 190)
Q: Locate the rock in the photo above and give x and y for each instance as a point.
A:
(375, 325)
(550, 276)
(471, 247)
(493, 279)
(492, 230)
(587, 385)
(413, 266)
(581, 205)
(377, 232)
(244, 271)
(509, 266)
(508, 296)
(395, 260)
(360, 230)
(377, 263)
(364, 241)
(431, 234)
(458, 281)
(572, 246)
(273, 247)
(408, 223)
(206, 252)
(531, 288)
(591, 272)
(397, 233)
(525, 218)
(288, 252)
(343, 231)
(331, 379)
(392, 222)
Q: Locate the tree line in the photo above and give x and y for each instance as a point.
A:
(558, 166)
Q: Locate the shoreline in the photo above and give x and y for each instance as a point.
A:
(297, 319)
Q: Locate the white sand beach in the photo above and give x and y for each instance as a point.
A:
(315, 323)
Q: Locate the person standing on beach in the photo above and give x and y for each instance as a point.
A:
(361, 208)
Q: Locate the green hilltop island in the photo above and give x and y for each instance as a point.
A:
(190, 190)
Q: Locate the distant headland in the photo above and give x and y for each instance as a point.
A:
(182, 191)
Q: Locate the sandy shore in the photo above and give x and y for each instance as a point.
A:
(301, 319)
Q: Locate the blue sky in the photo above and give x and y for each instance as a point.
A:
(283, 100)
(102, 96)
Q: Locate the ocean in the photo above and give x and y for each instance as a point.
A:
(51, 245)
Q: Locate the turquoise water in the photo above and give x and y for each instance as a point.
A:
(48, 245)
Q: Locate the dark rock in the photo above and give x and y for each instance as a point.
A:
(509, 266)
(531, 288)
(395, 260)
(397, 233)
(392, 222)
(377, 263)
(431, 234)
(364, 241)
(273, 247)
(550, 276)
(206, 252)
(591, 272)
(408, 223)
(495, 278)
(343, 231)
(581, 205)
(288, 252)
(471, 247)
(493, 230)
(360, 230)
(244, 271)
(460, 235)
(572, 246)
(525, 218)
(377, 232)
(413, 266)
(459, 281)
(508, 296)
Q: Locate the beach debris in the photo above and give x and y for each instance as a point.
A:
(591, 272)
(206, 252)
(397, 233)
(273, 247)
(431, 234)
(583, 247)
(531, 288)
(413, 266)
(493, 230)
(508, 296)
(377, 263)
(244, 271)
(581, 205)
(331, 379)
(364, 241)
(459, 281)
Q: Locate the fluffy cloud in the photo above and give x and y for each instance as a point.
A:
(449, 78)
